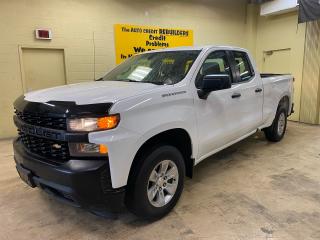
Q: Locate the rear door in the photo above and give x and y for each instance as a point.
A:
(247, 95)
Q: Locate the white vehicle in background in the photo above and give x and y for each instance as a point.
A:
(132, 136)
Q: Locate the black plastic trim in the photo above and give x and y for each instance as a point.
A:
(237, 80)
(76, 182)
(58, 109)
(292, 109)
(266, 75)
(65, 109)
(49, 133)
(234, 72)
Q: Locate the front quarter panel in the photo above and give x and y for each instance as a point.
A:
(143, 117)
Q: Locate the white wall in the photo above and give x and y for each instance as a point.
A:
(278, 6)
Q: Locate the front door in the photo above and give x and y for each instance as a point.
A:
(228, 114)
(215, 115)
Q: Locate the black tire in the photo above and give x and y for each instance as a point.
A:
(137, 200)
(272, 133)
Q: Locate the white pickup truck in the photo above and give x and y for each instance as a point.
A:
(132, 136)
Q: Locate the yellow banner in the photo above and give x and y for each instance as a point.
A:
(132, 39)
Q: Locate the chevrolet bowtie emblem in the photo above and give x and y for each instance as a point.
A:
(56, 146)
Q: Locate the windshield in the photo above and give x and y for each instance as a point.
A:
(158, 68)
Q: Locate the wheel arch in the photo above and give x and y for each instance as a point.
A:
(284, 101)
(177, 137)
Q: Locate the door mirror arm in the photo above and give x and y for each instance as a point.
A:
(203, 94)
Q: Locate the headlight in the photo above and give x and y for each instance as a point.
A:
(93, 124)
(87, 149)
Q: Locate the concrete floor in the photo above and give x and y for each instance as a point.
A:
(252, 190)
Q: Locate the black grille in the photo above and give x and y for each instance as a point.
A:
(37, 119)
(54, 150)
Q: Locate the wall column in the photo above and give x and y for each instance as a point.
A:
(252, 13)
(310, 93)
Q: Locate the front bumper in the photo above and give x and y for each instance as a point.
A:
(80, 183)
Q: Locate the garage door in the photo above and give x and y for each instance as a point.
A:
(279, 61)
(43, 68)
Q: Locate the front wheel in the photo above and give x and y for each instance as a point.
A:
(158, 184)
(276, 131)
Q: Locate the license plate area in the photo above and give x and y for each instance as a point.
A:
(26, 176)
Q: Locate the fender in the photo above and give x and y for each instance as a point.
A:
(190, 162)
(165, 127)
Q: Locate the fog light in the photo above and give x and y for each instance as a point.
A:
(103, 149)
(87, 149)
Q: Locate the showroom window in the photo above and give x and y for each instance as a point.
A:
(216, 63)
(243, 66)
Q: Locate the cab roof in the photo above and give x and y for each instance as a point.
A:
(205, 47)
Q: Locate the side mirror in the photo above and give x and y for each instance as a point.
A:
(212, 83)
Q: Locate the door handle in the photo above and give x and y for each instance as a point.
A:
(258, 90)
(236, 95)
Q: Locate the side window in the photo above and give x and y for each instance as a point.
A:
(216, 63)
(243, 66)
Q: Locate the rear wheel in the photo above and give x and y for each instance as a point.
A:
(276, 131)
(158, 184)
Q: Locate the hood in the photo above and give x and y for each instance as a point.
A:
(90, 92)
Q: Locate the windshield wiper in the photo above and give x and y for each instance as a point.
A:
(156, 83)
(130, 80)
